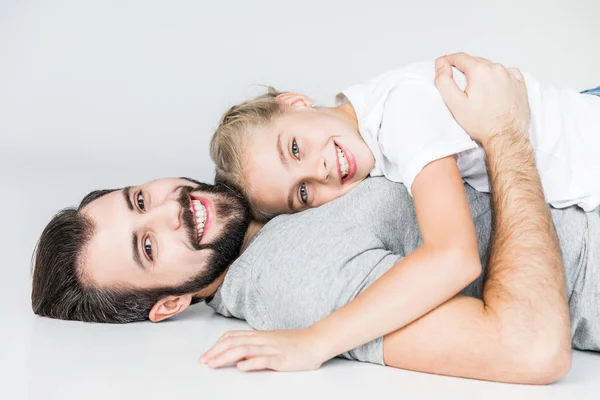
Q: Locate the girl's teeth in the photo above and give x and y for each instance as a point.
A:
(343, 162)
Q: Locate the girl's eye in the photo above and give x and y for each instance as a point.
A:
(303, 193)
(140, 201)
(295, 150)
(148, 247)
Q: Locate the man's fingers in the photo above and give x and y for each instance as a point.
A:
(483, 60)
(463, 61)
(516, 73)
(453, 96)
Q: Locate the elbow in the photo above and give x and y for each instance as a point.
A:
(541, 363)
(466, 262)
(547, 368)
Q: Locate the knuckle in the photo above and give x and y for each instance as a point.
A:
(499, 68)
(516, 72)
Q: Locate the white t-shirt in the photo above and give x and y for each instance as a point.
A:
(405, 122)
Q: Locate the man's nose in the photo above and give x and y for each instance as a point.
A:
(167, 215)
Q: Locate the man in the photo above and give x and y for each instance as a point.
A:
(153, 250)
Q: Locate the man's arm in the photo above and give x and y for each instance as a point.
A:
(520, 331)
(491, 339)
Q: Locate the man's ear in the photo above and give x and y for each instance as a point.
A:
(169, 306)
(293, 100)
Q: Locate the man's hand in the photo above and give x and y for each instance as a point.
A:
(494, 101)
(291, 350)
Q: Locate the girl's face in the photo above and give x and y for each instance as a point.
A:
(303, 159)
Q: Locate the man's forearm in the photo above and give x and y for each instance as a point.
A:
(525, 281)
(520, 331)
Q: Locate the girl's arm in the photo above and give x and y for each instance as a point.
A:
(446, 263)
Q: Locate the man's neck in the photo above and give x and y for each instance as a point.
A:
(252, 230)
(211, 289)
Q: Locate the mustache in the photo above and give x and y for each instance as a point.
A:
(189, 219)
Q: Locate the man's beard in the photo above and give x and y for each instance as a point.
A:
(232, 208)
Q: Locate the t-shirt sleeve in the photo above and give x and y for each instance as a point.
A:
(416, 129)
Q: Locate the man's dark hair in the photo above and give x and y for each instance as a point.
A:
(59, 290)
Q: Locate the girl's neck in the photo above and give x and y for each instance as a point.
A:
(345, 112)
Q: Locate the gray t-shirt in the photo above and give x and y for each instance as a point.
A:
(300, 268)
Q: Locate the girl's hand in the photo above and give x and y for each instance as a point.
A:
(291, 350)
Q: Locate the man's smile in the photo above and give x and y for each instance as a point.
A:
(202, 211)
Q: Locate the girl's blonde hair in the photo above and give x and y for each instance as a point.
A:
(228, 142)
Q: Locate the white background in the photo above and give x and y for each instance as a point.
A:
(106, 93)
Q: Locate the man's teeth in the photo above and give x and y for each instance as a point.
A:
(343, 161)
(200, 218)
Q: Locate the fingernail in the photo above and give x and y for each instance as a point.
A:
(201, 360)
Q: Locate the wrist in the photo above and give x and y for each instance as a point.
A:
(509, 152)
(323, 345)
(504, 138)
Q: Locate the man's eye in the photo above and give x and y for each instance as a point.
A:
(148, 247)
(295, 149)
(140, 201)
(303, 193)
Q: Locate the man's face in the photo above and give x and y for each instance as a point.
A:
(163, 234)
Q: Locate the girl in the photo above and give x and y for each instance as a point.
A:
(287, 155)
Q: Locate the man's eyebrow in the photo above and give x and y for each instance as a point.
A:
(280, 151)
(127, 194)
(135, 251)
(134, 237)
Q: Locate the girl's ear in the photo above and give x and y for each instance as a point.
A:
(293, 100)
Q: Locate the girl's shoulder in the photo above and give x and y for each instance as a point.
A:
(410, 84)
(419, 73)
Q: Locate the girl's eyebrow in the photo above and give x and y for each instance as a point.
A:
(290, 199)
(280, 151)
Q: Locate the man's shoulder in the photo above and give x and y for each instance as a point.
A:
(373, 199)
(360, 212)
